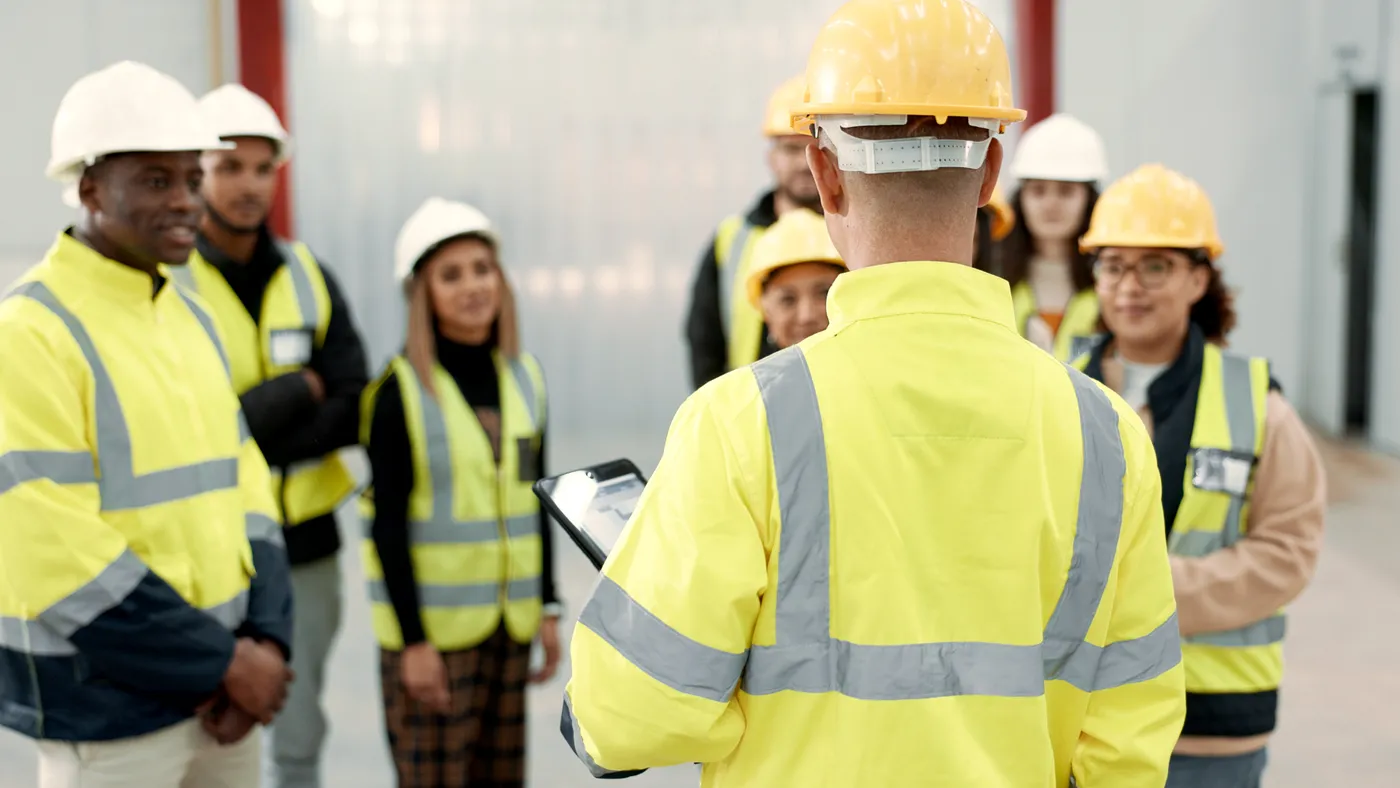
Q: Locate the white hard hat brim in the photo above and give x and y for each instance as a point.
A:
(415, 261)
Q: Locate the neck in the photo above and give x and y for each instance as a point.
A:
(1059, 251)
(96, 241)
(879, 245)
(463, 335)
(1160, 351)
(236, 245)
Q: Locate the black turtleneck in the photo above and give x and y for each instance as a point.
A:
(391, 463)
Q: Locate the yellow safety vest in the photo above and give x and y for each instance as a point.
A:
(1078, 328)
(475, 522)
(296, 311)
(147, 464)
(1226, 442)
(743, 325)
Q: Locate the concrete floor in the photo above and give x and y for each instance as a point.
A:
(1341, 715)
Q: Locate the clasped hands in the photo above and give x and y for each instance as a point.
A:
(253, 691)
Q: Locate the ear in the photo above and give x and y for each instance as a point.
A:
(830, 184)
(991, 170)
(88, 192)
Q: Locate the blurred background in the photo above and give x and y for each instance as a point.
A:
(606, 138)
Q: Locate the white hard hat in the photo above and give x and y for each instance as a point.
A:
(1060, 148)
(124, 108)
(235, 111)
(435, 221)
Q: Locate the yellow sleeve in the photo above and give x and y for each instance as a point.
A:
(52, 540)
(662, 642)
(1138, 705)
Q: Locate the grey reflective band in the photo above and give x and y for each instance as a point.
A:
(48, 635)
(206, 321)
(118, 484)
(301, 285)
(261, 528)
(568, 725)
(729, 276)
(527, 392)
(1238, 387)
(1261, 633)
(805, 658)
(59, 467)
(444, 595)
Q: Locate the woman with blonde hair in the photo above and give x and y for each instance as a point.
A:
(793, 266)
(458, 554)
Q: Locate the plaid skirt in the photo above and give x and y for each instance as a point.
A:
(481, 743)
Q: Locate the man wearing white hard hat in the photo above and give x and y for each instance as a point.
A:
(145, 605)
(458, 554)
(299, 368)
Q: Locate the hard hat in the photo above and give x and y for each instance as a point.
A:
(799, 236)
(124, 108)
(1155, 207)
(1003, 218)
(778, 121)
(877, 62)
(235, 111)
(1060, 148)
(435, 221)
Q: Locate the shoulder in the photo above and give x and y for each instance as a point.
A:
(34, 320)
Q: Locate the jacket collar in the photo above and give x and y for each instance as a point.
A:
(111, 279)
(919, 287)
(764, 213)
(1176, 382)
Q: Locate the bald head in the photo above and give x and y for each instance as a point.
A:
(893, 217)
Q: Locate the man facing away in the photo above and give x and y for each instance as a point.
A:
(723, 330)
(299, 367)
(913, 549)
(145, 607)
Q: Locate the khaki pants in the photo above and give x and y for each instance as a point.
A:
(181, 756)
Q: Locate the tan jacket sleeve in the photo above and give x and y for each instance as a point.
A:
(1276, 559)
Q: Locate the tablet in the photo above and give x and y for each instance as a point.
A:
(593, 504)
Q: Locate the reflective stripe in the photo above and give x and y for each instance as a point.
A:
(1239, 414)
(59, 467)
(233, 613)
(260, 527)
(95, 597)
(119, 486)
(301, 285)
(245, 433)
(805, 658)
(1261, 633)
(568, 726)
(1194, 544)
(206, 321)
(461, 595)
(527, 389)
(729, 276)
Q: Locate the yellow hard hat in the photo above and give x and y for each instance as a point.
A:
(778, 121)
(942, 58)
(1153, 206)
(799, 236)
(1003, 218)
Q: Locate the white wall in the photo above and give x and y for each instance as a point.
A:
(1245, 97)
(1385, 389)
(45, 45)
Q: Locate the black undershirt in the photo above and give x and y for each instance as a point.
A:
(391, 463)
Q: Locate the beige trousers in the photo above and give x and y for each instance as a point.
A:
(181, 756)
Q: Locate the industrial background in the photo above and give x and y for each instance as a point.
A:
(607, 137)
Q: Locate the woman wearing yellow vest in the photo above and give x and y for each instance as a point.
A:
(794, 264)
(1058, 164)
(1243, 488)
(458, 553)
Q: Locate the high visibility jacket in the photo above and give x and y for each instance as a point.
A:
(743, 325)
(137, 532)
(1078, 328)
(296, 311)
(1232, 672)
(852, 570)
(475, 535)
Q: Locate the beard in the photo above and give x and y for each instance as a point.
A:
(811, 201)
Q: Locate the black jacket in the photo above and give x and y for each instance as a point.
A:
(288, 425)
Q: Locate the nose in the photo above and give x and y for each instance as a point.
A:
(811, 310)
(185, 199)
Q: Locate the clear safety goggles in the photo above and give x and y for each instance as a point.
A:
(913, 154)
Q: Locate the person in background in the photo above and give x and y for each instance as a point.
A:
(723, 330)
(912, 549)
(1058, 165)
(994, 223)
(794, 265)
(145, 605)
(299, 368)
(1244, 491)
(459, 555)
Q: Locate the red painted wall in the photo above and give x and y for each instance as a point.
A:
(263, 70)
(1035, 55)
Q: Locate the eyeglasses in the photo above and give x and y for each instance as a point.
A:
(1152, 272)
